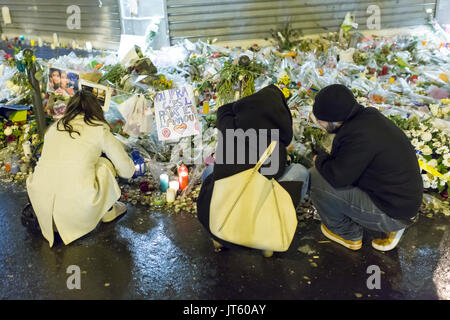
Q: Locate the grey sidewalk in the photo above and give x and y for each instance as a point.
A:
(156, 256)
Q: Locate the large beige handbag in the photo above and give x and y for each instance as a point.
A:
(250, 210)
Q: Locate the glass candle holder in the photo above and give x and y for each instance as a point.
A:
(164, 182)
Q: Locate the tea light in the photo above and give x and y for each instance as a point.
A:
(164, 182)
(170, 195)
(175, 185)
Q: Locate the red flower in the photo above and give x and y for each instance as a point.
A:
(11, 138)
(7, 56)
(413, 78)
(299, 84)
(384, 71)
(144, 186)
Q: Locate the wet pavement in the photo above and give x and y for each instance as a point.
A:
(151, 255)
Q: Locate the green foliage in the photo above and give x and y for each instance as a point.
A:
(235, 75)
(114, 74)
(286, 37)
(411, 123)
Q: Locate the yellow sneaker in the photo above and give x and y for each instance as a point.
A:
(388, 243)
(352, 245)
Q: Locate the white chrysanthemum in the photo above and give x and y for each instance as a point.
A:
(426, 136)
(426, 181)
(433, 163)
(434, 184)
(437, 144)
(426, 150)
(442, 150)
(446, 162)
(434, 108)
(442, 182)
(8, 131)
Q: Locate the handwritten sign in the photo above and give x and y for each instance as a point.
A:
(175, 113)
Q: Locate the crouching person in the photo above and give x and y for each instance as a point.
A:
(371, 179)
(73, 187)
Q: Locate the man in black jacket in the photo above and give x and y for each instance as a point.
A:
(370, 179)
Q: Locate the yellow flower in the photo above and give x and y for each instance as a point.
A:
(286, 92)
(285, 79)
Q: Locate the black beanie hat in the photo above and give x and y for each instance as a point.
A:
(334, 103)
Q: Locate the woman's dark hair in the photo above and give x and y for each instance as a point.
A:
(86, 103)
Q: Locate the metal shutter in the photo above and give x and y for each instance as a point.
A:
(253, 19)
(100, 21)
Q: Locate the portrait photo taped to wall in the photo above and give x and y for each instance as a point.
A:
(102, 93)
(63, 82)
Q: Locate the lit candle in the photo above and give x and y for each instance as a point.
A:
(183, 176)
(27, 149)
(40, 42)
(88, 46)
(55, 39)
(170, 195)
(174, 185)
(164, 182)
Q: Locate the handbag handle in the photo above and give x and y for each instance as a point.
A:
(265, 155)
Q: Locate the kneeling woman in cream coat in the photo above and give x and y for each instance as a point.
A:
(73, 187)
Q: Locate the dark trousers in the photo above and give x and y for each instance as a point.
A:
(346, 211)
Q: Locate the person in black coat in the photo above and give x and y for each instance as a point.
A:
(370, 179)
(266, 109)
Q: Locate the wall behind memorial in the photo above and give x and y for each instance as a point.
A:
(233, 20)
(96, 21)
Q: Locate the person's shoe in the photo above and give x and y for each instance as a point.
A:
(267, 253)
(118, 209)
(352, 245)
(388, 243)
(217, 246)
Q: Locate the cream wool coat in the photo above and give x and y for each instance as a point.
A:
(71, 184)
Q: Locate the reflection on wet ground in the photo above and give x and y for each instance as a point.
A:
(151, 255)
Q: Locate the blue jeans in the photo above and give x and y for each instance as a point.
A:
(294, 172)
(345, 211)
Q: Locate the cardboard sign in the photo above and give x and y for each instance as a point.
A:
(176, 114)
